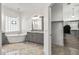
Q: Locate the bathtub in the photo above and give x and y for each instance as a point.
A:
(14, 38)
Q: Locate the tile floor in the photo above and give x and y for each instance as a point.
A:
(59, 50)
(71, 47)
(27, 48)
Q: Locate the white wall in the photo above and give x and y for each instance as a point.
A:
(0, 30)
(10, 12)
(57, 12)
(57, 26)
(68, 12)
(57, 33)
(47, 31)
(7, 12)
(28, 14)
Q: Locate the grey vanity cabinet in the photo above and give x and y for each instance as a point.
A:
(35, 37)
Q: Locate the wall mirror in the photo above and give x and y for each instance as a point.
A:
(37, 23)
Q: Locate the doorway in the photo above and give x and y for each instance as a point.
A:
(63, 44)
(71, 40)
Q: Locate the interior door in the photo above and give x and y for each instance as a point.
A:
(57, 33)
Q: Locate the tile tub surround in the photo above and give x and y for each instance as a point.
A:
(27, 48)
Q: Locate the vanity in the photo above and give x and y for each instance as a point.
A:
(35, 37)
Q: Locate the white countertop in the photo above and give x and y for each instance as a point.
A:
(36, 31)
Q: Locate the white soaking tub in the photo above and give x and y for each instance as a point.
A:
(14, 38)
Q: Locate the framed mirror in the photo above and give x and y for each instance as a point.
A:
(37, 23)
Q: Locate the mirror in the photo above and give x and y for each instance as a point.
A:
(37, 23)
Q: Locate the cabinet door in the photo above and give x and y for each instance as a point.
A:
(39, 38)
(35, 37)
(29, 36)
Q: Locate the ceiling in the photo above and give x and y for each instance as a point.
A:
(25, 6)
(71, 4)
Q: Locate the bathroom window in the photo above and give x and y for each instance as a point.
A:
(12, 24)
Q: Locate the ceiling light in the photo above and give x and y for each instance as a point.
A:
(73, 12)
(73, 16)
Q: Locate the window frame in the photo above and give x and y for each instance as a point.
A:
(12, 32)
